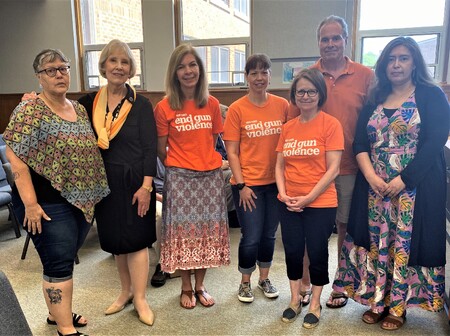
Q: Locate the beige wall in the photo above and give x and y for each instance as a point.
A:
(27, 27)
(159, 41)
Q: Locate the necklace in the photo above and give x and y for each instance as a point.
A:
(116, 111)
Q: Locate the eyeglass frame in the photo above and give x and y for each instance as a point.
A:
(311, 93)
(60, 69)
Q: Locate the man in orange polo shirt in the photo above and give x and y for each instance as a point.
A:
(347, 85)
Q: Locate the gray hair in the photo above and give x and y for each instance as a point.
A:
(331, 19)
(48, 56)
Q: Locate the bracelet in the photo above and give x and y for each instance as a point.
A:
(149, 189)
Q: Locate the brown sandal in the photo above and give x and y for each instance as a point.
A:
(371, 317)
(203, 293)
(189, 294)
(397, 321)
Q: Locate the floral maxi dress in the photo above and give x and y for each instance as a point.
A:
(381, 277)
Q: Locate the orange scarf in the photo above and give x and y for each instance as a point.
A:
(104, 125)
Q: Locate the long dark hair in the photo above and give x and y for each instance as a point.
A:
(420, 75)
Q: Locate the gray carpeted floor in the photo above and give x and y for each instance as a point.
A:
(97, 284)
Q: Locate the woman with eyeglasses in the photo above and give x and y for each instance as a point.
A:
(124, 124)
(308, 159)
(59, 178)
(251, 133)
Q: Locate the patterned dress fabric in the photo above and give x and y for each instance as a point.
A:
(195, 230)
(381, 277)
(63, 152)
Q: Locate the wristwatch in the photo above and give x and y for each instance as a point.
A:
(148, 188)
(240, 186)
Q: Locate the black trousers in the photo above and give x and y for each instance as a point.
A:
(313, 227)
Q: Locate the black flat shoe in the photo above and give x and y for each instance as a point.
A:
(312, 319)
(159, 277)
(291, 313)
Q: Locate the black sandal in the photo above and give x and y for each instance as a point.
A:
(73, 334)
(335, 296)
(75, 319)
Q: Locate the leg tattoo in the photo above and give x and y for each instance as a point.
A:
(54, 294)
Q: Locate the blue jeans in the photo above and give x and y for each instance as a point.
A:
(313, 227)
(258, 228)
(60, 239)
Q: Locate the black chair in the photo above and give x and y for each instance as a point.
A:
(25, 250)
(12, 318)
(6, 181)
(5, 201)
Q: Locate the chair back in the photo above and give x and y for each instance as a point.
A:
(5, 163)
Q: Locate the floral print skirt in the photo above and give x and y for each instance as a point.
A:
(381, 277)
(194, 232)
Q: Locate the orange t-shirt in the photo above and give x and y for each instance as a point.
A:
(257, 129)
(304, 146)
(347, 95)
(190, 133)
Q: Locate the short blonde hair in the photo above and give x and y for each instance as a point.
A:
(173, 88)
(111, 47)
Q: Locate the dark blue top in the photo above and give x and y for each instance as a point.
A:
(220, 147)
(159, 178)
